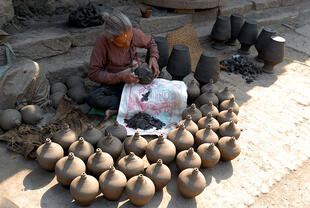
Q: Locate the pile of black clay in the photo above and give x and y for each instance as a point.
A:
(144, 121)
(240, 64)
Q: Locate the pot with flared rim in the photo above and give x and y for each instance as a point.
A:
(163, 49)
(236, 22)
(220, 32)
(208, 67)
(262, 41)
(179, 63)
(247, 36)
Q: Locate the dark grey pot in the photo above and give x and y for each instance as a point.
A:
(236, 22)
(221, 32)
(262, 41)
(163, 49)
(208, 67)
(179, 63)
(247, 36)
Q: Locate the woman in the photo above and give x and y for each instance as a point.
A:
(113, 53)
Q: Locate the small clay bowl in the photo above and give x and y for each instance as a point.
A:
(146, 12)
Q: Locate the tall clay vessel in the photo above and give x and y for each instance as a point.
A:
(221, 32)
(159, 173)
(111, 145)
(188, 159)
(99, 162)
(208, 67)
(191, 182)
(229, 148)
(206, 135)
(209, 154)
(247, 36)
(181, 138)
(82, 149)
(236, 21)
(193, 111)
(92, 135)
(131, 165)
(179, 63)
(189, 124)
(208, 120)
(65, 137)
(117, 130)
(136, 144)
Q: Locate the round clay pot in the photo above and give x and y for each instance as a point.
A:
(117, 130)
(221, 32)
(59, 87)
(111, 145)
(207, 97)
(68, 168)
(82, 149)
(140, 190)
(226, 116)
(193, 92)
(208, 120)
(193, 111)
(9, 119)
(159, 173)
(209, 108)
(226, 104)
(208, 67)
(224, 95)
(163, 49)
(262, 41)
(48, 154)
(160, 148)
(112, 183)
(31, 114)
(189, 124)
(146, 12)
(191, 182)
(181, 138)
(229, 148)
(209, 86)
(84, 189)
(78, 94)
(236, 22)
(209, 154)
(136, 144)
(92, 135)
(74, 81)
(229, 129)
(206, 135)
(188, 159)
(179, 63)
(65, 137)
(56, 98)
(247, 36)
(99, 162)
(144, 73)
(131, 165)
(189, 78)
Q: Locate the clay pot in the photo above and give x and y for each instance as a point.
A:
(224, 95)
(209, 108)
(181, 138)
(159, 173)
(188, 159)
(59, 87)
(78, 94)
(193, 92)
(68, 168)
(226, 104)
(99, 162)
(136, 144)
(273, 53)
(189, 124)
(48, 154)
(117, 130)
(111, 145)
(193, 111)
(92, 135)
(229, 148)
(189, 78)
(84, 189)
(226, 116)
(206, 135)
(229, 129)
(145, 75)
(146, 12)
(221, 32)
(82, 149)
(179, 63)
(31, 114)
(209, 154)
(112, 183)
(140, 190)
(208, 67)
(208, 120)
(236, 22)
(164, 74)
(209, 86)
(262, 41)
(65, 137)
(160, 148)
(131, 165)
(74, 81)
(9, 119)
(163, 49)
(56, 98)
(191, 182)
(247, 36)
(207, 97)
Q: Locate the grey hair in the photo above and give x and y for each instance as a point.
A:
(115, 24)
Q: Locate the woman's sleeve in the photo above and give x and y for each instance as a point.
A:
(143, 40)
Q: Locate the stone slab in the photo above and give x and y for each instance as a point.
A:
(304, 31)
(298, 42)
(85, 37)
(266, 4)
(236, 6)
(185, 4)
(6, 11)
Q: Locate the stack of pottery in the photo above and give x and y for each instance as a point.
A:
(208, 68)
(247, 36)
(163, 49)
(221, 32)
(179, 63)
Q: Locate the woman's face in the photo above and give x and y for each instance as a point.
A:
(123, 40)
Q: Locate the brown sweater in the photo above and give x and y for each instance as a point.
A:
(107, 59)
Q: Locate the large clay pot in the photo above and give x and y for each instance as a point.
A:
(226, 116)
(188, 159)
(78, 94)
(193, 92)
(117, 130)
(193, 111)
(207, 97)
(179, 63)
(56, 98)
(65, 137)
(31, 114)
(99, 162)
(48, 154)
(92, 135)
(111, 145)
(208, 120)
(82, 149)
(221, 32)
(229, 148)
(247, 36)
(209, 86)
(236, 22)
(191, 182)
(160, 148)
(229, 129)
(224, 95)
(59, 87)
(131, 165)
(68, 168)
(209, 154)
(9, 119)
(208, 67)
(84, 189)
(74, 81)
(181, 138)
(206, 135)
(189, 124)
(140, 190)
(159, 173)
(112, 183)
(163, 49)
(209, 108)
(262, 41)
(136, 144)
(226, 104)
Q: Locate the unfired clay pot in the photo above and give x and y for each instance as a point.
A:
(188, 159)
(229, 148)
(209, 86)
(92, 135)
(209, 108)
(140, 190)
(99, 162)
(68, 168)
(9, 119)
(226, 116)
(209, 154)
(191, 182)
(58, 87)
(117, 130)
(193, 92)
(224, 95)
(111, 145)
(160, 148)
(189, 124)
(131, 165)
(74, 81)
(136, 144)
(206, 97)
(205, 121)
(229, 129)
(65, 137)
(48, 154)
(181, 138)
(112, 183)
(82, 149)
(206, 135)
(226, 104)
(56, 98)
(31, 114)
(159, 173)
(84, 189)
(78, 94)
(193, 111)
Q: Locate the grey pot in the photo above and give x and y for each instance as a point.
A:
(179, 63)
(247, 36)
(208, 67)
(236, 22)
(163, 49)
(221, 32)
(262, 41)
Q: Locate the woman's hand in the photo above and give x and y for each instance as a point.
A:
(154, 64)
(128, 78)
